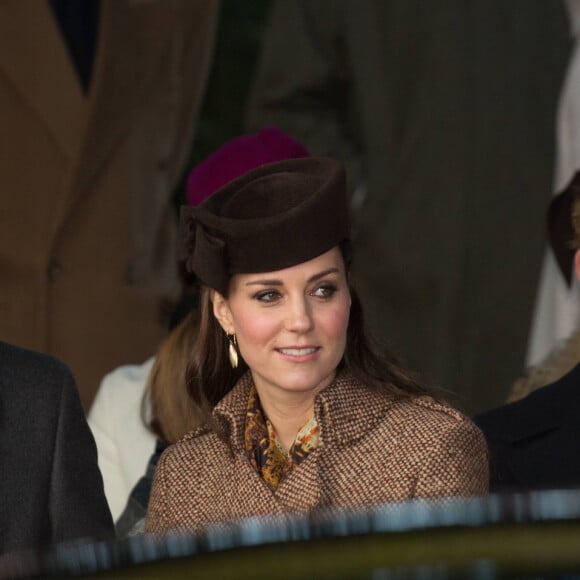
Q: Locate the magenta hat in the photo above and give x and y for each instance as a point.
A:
(238, 156)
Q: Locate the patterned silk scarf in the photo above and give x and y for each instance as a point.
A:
(265, 451)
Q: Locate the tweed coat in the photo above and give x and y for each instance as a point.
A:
(88, 265)
(51, 489)
(374, 449)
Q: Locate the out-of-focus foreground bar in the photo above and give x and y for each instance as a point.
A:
(503, 536)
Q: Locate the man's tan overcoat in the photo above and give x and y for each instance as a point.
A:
(87, 238)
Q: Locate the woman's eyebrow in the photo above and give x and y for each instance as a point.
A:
(322, 274)
(264, 283)
(275, 282)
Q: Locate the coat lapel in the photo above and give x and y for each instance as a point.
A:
(50, 87)
(131, 50)
(262, 500)
(301, 490)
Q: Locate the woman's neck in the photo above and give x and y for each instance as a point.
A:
(287, 414)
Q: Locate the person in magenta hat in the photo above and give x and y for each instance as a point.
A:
(238, 156)
(299, 410)
(126, 438)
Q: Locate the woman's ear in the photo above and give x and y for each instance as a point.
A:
(222, 312)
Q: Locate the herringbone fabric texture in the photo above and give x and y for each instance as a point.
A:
(373, 449)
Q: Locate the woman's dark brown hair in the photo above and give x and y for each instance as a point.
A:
(166, 408)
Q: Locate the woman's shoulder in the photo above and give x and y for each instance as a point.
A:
(358, 411)
(195, 461)
(432, 414)
(434, 424)
(194, 444)
(428, 406)
(353, 393)
(446, 447)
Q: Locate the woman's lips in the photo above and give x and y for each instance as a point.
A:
(295, 352)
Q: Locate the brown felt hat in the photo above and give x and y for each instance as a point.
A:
(272, 217)
(564, 226)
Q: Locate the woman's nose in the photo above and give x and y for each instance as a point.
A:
(299, 316)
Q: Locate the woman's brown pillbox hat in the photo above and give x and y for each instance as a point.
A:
(270, 218)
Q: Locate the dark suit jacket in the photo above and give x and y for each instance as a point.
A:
(50, 489)
(535, 442)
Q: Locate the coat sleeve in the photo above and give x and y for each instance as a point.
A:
(456, 464)
(77, 504)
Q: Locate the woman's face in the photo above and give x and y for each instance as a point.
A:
(290, 324)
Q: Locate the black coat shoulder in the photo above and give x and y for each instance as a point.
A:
(51, 486)
(22, 367)
(534, 441)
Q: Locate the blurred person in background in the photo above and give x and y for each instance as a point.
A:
(98, 102)
(534, 439)
(563, 245)
(558, 299)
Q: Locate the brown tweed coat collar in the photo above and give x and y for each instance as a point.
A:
(373, 449)
(346, 412)
(346, 404)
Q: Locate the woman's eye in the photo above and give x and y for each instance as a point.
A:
(267, 296)
(325, 291)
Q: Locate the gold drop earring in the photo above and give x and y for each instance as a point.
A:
(232, 350)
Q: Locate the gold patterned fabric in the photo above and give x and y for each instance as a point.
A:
(265, 451)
